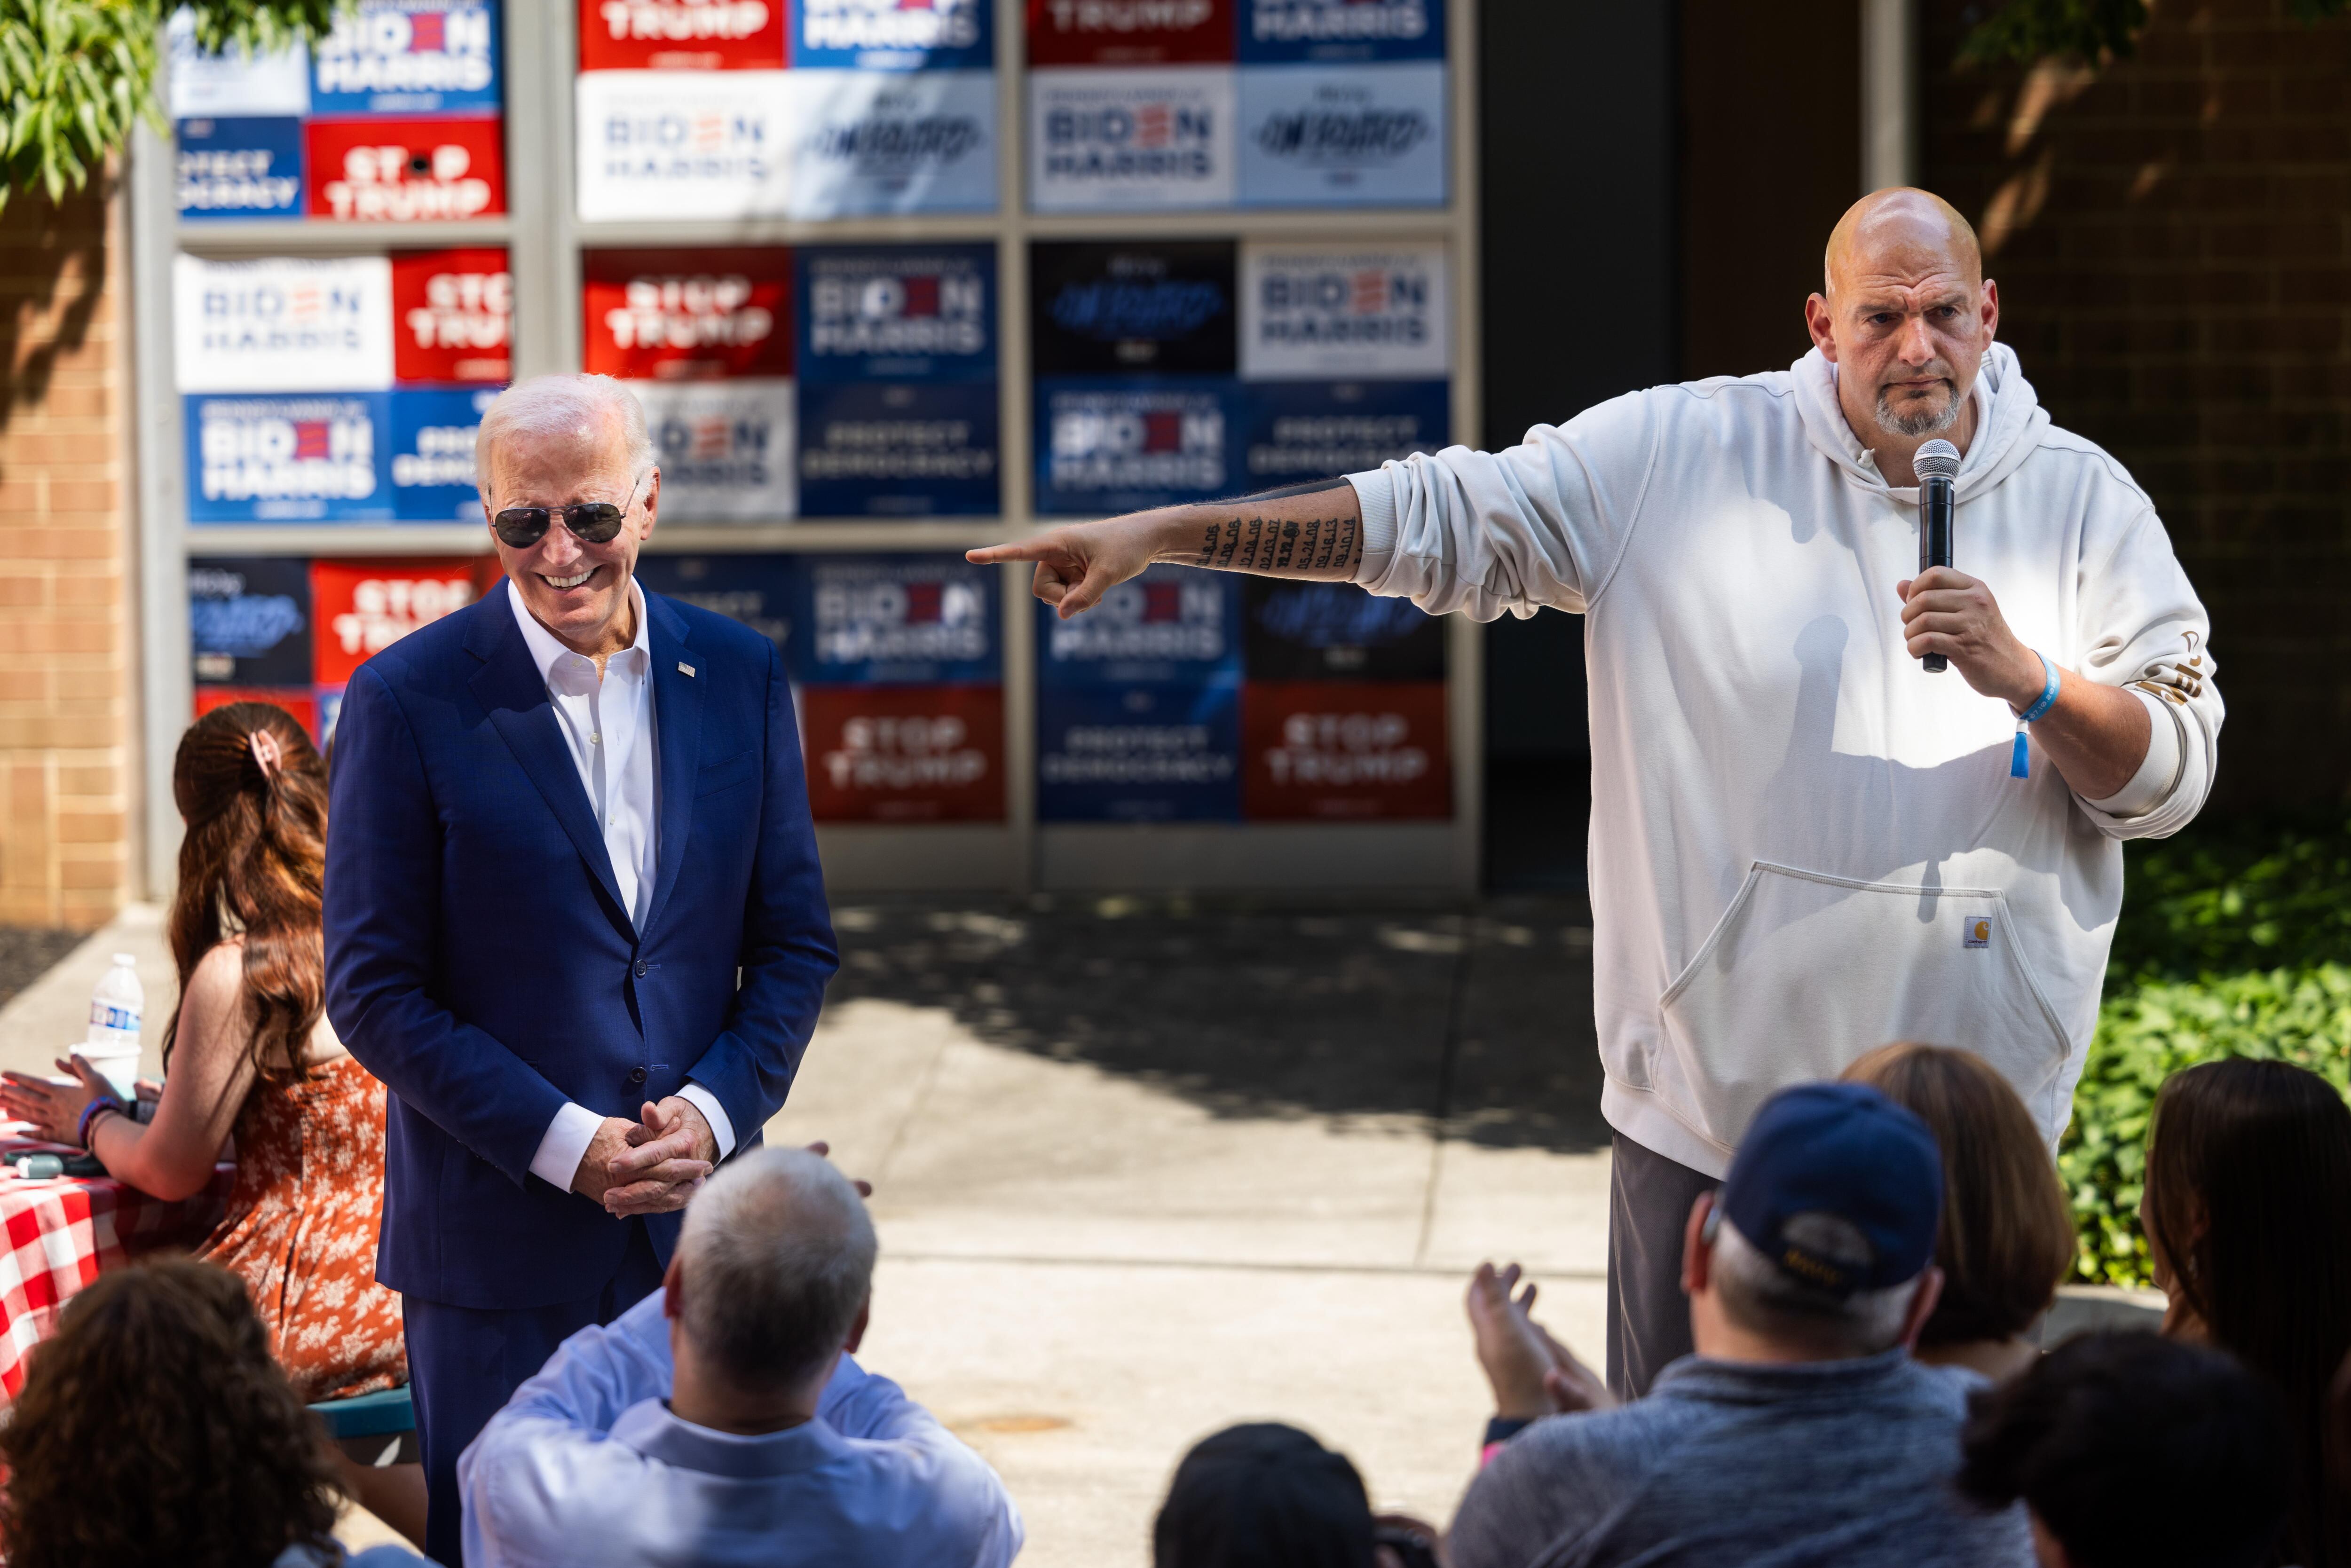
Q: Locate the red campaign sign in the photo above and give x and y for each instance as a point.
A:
(1130, 32)
(689, 315)
(298, 701)
(405, 171)
(452, 316)
(680, 34)
(1326, 749)
(905, 754)
(358, 608)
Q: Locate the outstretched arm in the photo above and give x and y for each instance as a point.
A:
(1313, 531)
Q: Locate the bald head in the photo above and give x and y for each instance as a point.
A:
(1901, 230)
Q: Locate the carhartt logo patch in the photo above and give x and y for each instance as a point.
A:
(1978, 934)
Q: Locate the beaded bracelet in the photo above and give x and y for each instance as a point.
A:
(91, 1111)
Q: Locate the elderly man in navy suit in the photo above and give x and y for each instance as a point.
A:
(574, 918)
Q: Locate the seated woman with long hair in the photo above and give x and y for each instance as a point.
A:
(2247, 1211)
(154, 1427)
(2006, 1242)
(248, 1052)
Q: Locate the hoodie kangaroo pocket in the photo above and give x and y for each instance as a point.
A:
(1806, 972)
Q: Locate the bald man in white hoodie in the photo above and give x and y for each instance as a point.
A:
(1802, 845)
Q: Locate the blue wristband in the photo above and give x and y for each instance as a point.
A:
(2020, 756)
(91, 1112)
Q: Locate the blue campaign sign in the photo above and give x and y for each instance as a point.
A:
(240, 168)
(1106, 444)
(1157, 752)
(408, 56)
(249, 621)
(291, 458)
(895, 620)
(1316, 430)
(1174, 623)
(1344, 135)
(432, 431)
(1285, 31)
(902, 312)
(894, 35)
(897, 449)
(756, 590)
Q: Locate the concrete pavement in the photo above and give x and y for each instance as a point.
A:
(1144, 1168)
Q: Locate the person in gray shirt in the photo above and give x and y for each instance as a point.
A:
(1801, 1432)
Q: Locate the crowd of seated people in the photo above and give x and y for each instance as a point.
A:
(1867, 1290)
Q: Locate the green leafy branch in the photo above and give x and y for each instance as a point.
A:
(2019, 32)
(75, 76)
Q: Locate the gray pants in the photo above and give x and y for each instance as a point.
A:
(1649, 1199)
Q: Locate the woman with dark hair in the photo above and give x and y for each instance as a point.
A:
(154, 1427)
(248, 1052)
(1264, 1495)
(2007, 1235)
(2247, 1212)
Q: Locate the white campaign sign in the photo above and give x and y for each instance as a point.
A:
(683, 144)
(282, 325)
(1105, 140)
(726, 449)
(866, 142)
(205, 86)
(1310, 312)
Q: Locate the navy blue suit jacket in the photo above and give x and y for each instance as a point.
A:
(480, 962)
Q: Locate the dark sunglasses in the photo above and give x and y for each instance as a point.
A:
(593, 522)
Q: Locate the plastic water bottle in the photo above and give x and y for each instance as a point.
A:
(115, 1006)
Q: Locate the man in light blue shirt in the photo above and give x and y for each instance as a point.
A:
(724, 1421)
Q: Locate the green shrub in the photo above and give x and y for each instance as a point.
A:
(2235, 940)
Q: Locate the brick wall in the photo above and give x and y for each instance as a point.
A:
(2172, 239)
(66, 628)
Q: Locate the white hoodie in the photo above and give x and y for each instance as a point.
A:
(1804, 846)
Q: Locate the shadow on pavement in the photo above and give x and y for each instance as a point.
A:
(1480, 1018)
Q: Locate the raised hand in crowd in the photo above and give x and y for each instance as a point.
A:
(1533, 1374)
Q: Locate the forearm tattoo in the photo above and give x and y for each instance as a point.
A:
(1278, 546)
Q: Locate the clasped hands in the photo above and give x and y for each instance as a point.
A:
(650, 1166)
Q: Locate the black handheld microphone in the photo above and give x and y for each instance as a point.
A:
(1937, 464)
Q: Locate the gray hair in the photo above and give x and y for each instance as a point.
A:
(1765, 1299)
(566, 405)
(777, 1257)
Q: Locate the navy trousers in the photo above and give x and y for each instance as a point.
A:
(464, 1363)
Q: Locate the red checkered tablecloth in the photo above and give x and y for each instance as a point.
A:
(62, 1234)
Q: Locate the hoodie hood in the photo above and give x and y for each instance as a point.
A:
(2009, 423)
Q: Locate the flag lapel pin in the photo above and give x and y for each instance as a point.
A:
(684, 669)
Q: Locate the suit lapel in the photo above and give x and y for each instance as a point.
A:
(677, 729)
(513, 692)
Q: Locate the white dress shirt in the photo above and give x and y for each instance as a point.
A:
(608, 723)
(587, 1468)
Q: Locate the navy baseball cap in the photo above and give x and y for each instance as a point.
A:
(1822, 1154)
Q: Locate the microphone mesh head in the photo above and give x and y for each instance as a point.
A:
(1936, 459)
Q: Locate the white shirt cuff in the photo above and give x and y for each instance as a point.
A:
(2152, 784)
(565, 1143)
(704, 1100)
(1375, 500)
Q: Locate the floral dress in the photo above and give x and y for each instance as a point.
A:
(302, 1230)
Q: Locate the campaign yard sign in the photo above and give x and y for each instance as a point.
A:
(670, 145)
(289, 458)
(452, 316)
(895, 620)
(409, 57)
(894, 35)
(1348, 135)
(1310, 312)
(883, 449)
(1124, 139)
(725, 447)
(1173, 623)
(361, 607)
(867, 142)
(1130, 32)
(1105, 447)
(282, 325)
(433, 432)
(680, 34)
(1287, 32)
(897, 313)
(689, 315)
(756, 590)
(249, 621)
(1160, 752)
(904, 754)
(1344, 750)
(301, 704)
(204, 86)
(240, 167)
(1299, 431)
(1163, 308)
(405, 171)
(1335, 631)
